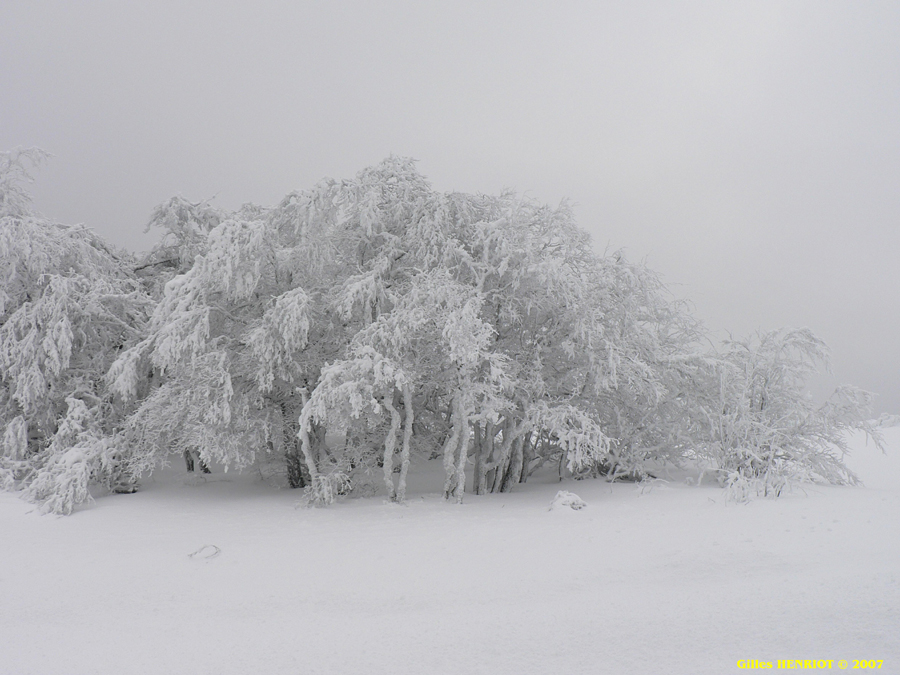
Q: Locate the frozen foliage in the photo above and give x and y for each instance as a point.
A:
(366, 321)
(397, 317)
(68, 306)
(888, 420)
(765, 432)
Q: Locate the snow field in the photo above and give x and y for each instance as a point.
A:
(655, 578)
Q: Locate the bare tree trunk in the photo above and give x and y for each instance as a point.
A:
(515, 467)
(407, 436)
(527, 456)
(502, 463)
(451, 445)
(445, 417)
(484, 451)
(293, 458)
(562, 463)
(537, 460)
(390, 444)
(460, 487)
(477, 480)
(305, 446)
(320, 447)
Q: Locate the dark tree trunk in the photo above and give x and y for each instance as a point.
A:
(502, 463)
(297, 473)
(484, 450)
(477, 478)
(527, 457)
(514, 473)
(189, 462)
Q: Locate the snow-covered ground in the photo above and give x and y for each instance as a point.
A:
(661, 578)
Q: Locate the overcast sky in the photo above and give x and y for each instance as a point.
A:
(747, 151)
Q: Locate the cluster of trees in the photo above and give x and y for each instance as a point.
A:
(481, 331)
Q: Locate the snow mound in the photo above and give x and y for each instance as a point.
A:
(565, 499)
(888, 420)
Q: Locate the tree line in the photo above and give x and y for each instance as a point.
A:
(480, 331)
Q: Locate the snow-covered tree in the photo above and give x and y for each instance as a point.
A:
(242, 333)
(68, 305)
(765, 431)
(487, 307)
(366, 321)
(509, 331)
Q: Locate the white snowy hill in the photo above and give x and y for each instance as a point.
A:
(662, 577)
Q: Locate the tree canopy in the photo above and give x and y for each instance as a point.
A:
(69, 305)
(366, 320)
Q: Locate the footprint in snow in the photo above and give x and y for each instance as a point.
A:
(207, 552)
